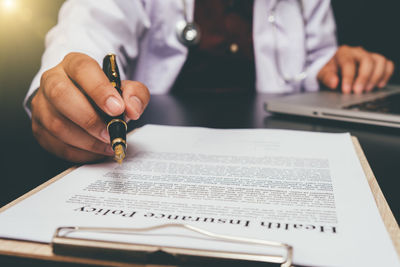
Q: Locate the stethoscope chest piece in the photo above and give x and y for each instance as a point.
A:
(188, 33)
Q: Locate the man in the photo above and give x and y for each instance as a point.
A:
(269, 46)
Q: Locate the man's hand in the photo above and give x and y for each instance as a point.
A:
(360, 70)
(63, 119)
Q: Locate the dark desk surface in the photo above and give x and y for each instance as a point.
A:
(25, 164)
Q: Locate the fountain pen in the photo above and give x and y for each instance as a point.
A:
(116, 126)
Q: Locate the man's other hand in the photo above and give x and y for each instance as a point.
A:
(359, 70)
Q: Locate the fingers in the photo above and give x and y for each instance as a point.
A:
(328, 74)
(136, 97)
(366, 66)
(66, 131)
(375, 70)
(348, 72)
(389, 69)
(378, 71)
(69, 101)
(65, 117)
(361, 70)
(79, 67)
(60, 149)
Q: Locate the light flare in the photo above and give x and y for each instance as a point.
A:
(9, 5)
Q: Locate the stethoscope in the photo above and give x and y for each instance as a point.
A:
(188, 34)
(187, 31)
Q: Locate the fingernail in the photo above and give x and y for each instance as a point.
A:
(346, 88)
(333, 82)
(109, 151)
(137, 106)
(358, 88)
(126, 118)
(105, 136)
(382, 84)
(370, 87)
(114, 105)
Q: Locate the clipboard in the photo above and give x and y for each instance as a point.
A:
(43, 251)
(63, 244)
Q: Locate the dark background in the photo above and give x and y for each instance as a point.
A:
(369, 23)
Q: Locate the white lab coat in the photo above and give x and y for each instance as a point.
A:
(143, 35)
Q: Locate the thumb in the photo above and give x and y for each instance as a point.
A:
(328, 75)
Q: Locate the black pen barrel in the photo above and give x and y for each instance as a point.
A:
(116, 126)
(117, 130)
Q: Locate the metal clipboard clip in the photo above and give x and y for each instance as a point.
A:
(122, 251)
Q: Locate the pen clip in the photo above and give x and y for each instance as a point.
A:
(110, 68)
(113, 66)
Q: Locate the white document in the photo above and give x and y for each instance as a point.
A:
(301, 188)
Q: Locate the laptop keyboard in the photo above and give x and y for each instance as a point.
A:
(388, 104)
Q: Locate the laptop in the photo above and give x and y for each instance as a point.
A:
(381, 107)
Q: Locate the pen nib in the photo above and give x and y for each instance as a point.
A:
(119, 153)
